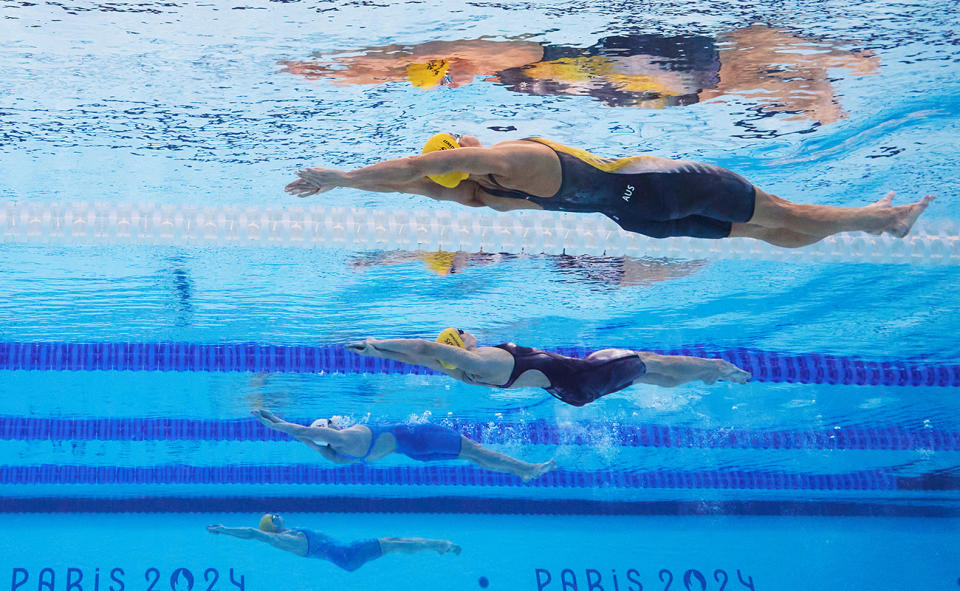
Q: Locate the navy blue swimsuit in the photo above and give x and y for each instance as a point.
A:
(572, 380)
(347, 556)
(423, 442)
(657, 197)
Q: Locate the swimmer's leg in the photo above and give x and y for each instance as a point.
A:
(673, 370)
(824, 220)
(414, 545)
(776, 236)
(498, 462)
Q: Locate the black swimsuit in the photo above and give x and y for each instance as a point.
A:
(653, 196)
(576, 381)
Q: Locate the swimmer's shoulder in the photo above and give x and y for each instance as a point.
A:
(527, 156)
(492, 352)
(531, 144)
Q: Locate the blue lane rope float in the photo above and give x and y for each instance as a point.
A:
(468, 505)
(78, 222)
(536, 432)
(766, 366)
(463, 475)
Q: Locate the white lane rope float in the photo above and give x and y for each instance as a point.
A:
(931, 242)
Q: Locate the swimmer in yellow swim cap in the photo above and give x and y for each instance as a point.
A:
(571, 380)
(313, 544)
(658, 197)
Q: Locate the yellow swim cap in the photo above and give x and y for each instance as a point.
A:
(450, 336)
(428, 74)
(266, 523)
(444, 141)
(440, 262)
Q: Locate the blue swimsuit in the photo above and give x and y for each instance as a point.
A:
(347, 556)
(421, 442)
(652, 196)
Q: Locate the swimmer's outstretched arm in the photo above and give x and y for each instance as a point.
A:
(283, 541)
(422, 352)
(244, 533)
(390, 174)
(317, 434)
(465, 193)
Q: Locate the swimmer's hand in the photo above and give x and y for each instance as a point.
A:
(731, 373)
(315, 180)
(364, 347)
(448, 547)
(266, 417)
(301, 188)
(216, 529)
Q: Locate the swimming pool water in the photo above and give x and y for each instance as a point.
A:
(838, 466)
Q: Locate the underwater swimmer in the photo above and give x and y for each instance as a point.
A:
(571, 380)
(657, 197)
(423, 442)
(312, 544)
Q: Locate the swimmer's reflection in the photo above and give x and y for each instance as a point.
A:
(431, 64)
(784, 71)
(313, 544)
(607, 271)
(423, 442)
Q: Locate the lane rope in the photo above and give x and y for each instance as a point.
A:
(537, 432)
(933, 242)
(766, 366)
(469, 505)
(465, 475)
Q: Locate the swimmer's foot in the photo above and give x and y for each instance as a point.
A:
(906, 215)
(886, 202)
(539, 470)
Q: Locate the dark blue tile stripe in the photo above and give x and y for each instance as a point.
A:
(765, 366)
(468, 505)
(532, 432)
(466, 475)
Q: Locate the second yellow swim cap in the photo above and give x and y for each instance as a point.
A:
(444, 141)
(451, 336)
(428, 74)
(266, 523)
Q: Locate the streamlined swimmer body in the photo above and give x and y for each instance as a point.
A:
(574, 381)
(423, 442)
(312, 544)
(657, 197)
